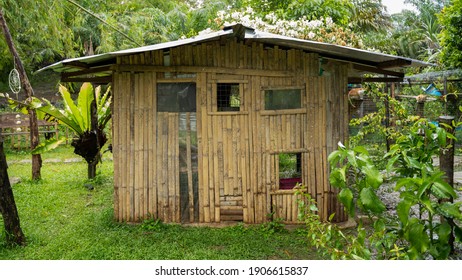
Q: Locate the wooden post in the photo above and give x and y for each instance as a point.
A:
(420, 108)
(14, 234)
(447, 164)
(34, 132)
(447, 154)
(387, 114)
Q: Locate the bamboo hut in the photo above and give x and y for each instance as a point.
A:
(221, 127)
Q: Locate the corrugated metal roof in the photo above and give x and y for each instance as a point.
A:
(358, 56)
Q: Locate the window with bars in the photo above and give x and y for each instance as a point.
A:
(228, 97)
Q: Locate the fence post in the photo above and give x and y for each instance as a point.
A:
(447, 154)
(447, 165)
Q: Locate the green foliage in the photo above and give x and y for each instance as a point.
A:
(275, 225)
(451, 41)
(39, 36)
(335, 243)
(338, 10)
(426, 213)
(152, 224)
(423, 186)
(358, 178)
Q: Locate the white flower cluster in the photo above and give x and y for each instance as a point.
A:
(324, 29)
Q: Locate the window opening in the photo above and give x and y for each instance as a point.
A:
(280, 99)
(176, 97)
(228, 97)
(290, 170)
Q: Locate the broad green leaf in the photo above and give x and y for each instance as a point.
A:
(414, 163)
(331, 217)
(54, 112)
(370, 201)
(402, 210)
(441, 137)
(425, 201)
(71, 111)
(337, 177)
(313, 207)
(48, 145)
(450, 210)
(346, 197)
(423, 187)
(418, 237)
(361, 150)
(405, 182)
(458, 233)
(335, 157)
(373, 176)
(443, 190)
(444, 232)
(391, 163)
(352, 158)
(379, 226)
(86, 97)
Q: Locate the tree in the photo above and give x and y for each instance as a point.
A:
(41, 36)
(451, 41)
(33, 124)
(14, 234)
(369, 16)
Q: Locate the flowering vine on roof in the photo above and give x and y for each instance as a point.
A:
(321, 30)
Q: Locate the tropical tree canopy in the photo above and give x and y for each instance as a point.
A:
(451, 39)
(77, 28)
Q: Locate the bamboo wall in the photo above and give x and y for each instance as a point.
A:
(237, 151)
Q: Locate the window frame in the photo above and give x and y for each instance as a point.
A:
(300, 109)
(179, 110)
(213, 105)
(286, 182)
(217, 95)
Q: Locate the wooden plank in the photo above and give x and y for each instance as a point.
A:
(218, 164)
(322, 150)
(137, 139)
(152, 142)
(169, 177)
(202, 154)
(116, 144)
(164, 166)
(207, 69)
(176, 158)
(189, 167)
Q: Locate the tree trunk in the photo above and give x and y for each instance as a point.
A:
(92, 169)
(33, 126)
(14, 234)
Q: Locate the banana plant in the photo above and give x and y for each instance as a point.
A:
(89, 137)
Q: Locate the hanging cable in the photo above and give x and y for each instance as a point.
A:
(103, 21)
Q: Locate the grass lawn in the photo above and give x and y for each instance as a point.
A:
(63, 218)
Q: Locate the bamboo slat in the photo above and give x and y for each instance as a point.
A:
(152, 139)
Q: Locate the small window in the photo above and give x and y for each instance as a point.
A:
(228, 97)
(176, 97)
(290, 170)
(280, 99)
